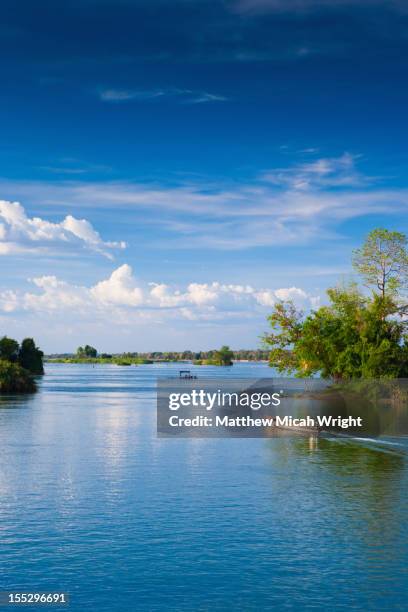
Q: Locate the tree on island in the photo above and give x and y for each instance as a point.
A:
(86, 352)
(355, 335)
(224, 356)
(30, 357)
(9, 349)
(18, 364)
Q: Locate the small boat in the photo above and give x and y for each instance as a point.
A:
(186, 375)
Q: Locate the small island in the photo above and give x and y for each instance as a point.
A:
(223, 357)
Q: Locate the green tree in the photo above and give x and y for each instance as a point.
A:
(224, 356)
(286, 323)
(353, 336)
(30, 357)
(9, 349)
(87, 352)
(383, 261)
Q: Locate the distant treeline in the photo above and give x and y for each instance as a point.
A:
(89, 354)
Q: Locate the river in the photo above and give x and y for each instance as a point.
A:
(94, 504)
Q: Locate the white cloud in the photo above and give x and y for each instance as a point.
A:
(122, 294)
(161, 294)
(8, 301)
(324, 172)
(201, 294)
(84, 231)
(267, 297)
(291, 293)
(120, 289)
(56, 296)
(22, 234)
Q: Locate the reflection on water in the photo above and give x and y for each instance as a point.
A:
(92, 502)
(371, 481)
(377, 474)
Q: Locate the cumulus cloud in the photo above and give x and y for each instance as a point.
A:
(9, 301)
(55, 296)
(20, 233)
(266, 297)
(120, 288)
(291, 293)
(122, 293)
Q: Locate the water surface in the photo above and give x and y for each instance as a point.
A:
(93, 503)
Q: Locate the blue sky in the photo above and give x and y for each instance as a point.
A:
(181, 165)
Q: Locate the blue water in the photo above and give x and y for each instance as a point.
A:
(94, 504)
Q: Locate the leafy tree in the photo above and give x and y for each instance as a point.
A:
(17, 364)
(9, 349)
(355, 335)
(30, 357)
(224, 356)
(87, 352)
(286, 322)
(383, 261)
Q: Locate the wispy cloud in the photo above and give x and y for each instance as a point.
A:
(200, 98)
(310, 150)
(297, 205)
(125, 95)
(72, 167)
(62, 170)
(186, 96)
(288, 6)
(324, 172)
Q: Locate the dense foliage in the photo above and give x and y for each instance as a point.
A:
(86, 351)
(355, 335)
(30, 357)
(18, 364)
(14, 378)
(223, 357)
